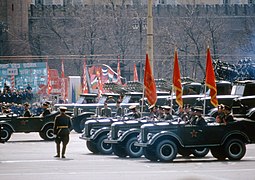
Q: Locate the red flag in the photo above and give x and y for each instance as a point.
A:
(177, 86)
(63, 85)
(149, 83)
(84, 79)
(99, 82)
(210, 79)
(49, 86)
(135, 74)
(118, 72)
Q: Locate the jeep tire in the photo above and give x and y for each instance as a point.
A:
(92, 147)
(166, 151)
(118, 150)
(47, 133)
(132, 150)
(235, 149)
(6, 133)
(218, 153)
(200, 152)
(149, 153)
(103, 148)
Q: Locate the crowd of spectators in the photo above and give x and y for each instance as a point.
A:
(13, 100)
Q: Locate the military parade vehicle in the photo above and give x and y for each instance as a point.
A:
(123, 135)
(81, 115)
(162, 142)
(11, 123)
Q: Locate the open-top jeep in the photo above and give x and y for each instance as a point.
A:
(162, 142)
(12, 123)
(124, 134)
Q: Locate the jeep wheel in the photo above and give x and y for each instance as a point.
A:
(6, 133)
(47, 133)
(132, 150)
(92, 147)
(184, 152)
(218, 153)
(200, 152)
(149, 154)
(119, 150)
(235, 149)
(103, 148)
(166, 151)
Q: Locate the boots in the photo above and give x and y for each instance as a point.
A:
(58, 150)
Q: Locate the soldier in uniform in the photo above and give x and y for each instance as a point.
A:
(199, 120)
(168, 115)
(153, 111)
(135, 113)
(106, 111)
(160, 113)
(61, 127)
(220, 114)
(46, 110)
(119, 109)
(27, 112)
(228, 117)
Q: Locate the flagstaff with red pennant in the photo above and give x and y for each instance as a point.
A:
(150, 90)
(210, 79)
(177, 86)
(99, 82)
(49, 86)
(118, 72)
(84, 78)
(135, 74)
(63, 85)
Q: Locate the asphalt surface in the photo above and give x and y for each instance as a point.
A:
(27, 156)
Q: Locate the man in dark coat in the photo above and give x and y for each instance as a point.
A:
(119, 109)
(168, 115)
(46, 110)
(106, 111)
(27, 112)
(61, 127)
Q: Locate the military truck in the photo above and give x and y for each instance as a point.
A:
(162, 142)
(11, 123)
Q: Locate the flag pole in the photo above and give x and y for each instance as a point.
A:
(204, 101)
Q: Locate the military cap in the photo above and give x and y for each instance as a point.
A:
(227, 108)
(45, 104)
(166, 107)
(62, 108)
(132, 107)
(26, 104)
(198, 109)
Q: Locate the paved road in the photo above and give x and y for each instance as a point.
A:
(28, 157)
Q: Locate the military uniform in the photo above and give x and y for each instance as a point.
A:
(62, 124)
(119, 111)
(107, 112)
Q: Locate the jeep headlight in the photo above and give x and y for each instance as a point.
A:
(120, 132)
(149, 136)
(92, 131)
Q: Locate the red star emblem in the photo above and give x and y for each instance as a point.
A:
(193, 133)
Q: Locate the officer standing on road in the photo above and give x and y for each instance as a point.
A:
(62, 124)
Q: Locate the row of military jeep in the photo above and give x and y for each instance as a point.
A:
(162, 141)
(241, 98)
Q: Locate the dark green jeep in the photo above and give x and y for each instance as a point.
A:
(163, 141)
(12, 123)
